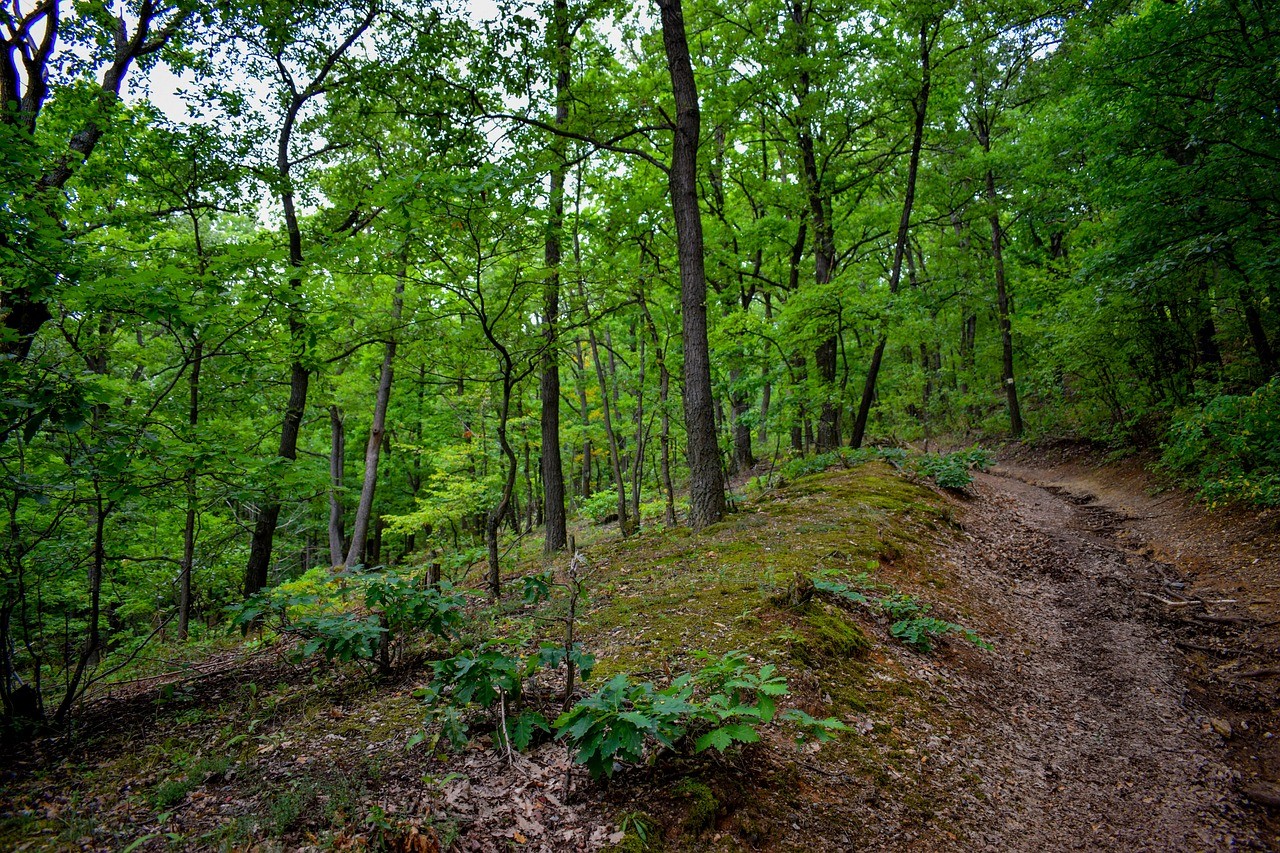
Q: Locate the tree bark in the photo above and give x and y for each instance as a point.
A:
(337, 469)
(706, 480)
(615, 456)
(549, 386)
(364, 510)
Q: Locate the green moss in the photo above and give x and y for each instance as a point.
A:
(826, 634)
(701, 807)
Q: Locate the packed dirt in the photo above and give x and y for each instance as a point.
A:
(1132, 704)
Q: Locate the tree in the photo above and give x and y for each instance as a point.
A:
(706, 479)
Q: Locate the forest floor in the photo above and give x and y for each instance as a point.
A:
(1129, 703)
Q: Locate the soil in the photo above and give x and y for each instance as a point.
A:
(1132, 704)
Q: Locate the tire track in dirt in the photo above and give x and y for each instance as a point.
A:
(1088, 733)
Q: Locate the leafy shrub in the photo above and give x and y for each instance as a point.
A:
(805, 465)
(952, 470)
(616, 722)
(1230, 449)
(318, 610)
(600, 507)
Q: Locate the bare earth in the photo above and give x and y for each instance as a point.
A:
(1131, 704)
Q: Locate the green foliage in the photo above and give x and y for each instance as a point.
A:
(721, 705)
(919, 632)
(952, 470)
(910, 622)
(805, 465)
(600, 507)
(1230, 448)
(535, 589)
(405, 603)
(318, 609)
(613, 723)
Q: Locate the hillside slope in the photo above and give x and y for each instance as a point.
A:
(1074, 731)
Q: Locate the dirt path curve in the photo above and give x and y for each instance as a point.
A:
(1089, 733)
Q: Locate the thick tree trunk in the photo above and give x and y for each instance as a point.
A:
(364, 510)
(549, 386)
(706, 480)
(904, 227)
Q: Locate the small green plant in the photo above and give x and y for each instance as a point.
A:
(919, 632)
(721, 705)
(954, 470)
(911, 624)
(613, 723)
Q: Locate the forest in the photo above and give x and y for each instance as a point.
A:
(303, 290)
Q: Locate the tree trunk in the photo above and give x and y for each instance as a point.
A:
(189, 528)
(360, 529)
(615, 458)
(637, 464)
(337, 467)
(494, 519)
(904, 226)
(706, 480)
(580, 383)
(1002, 303)
(255, 576)
(549, 386)
(256, 571)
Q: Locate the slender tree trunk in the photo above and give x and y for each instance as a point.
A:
(1002, 304)
(364, 510)
(615, 457)
(580, 383)
(256, 571)
(706, 480)
(255, 576)
(93, 643)
(637, 464)
(337, 468)
(767, 391)
(904, 225)
(1261, 346)
(189, 528)
(664, 434)
(494, 519)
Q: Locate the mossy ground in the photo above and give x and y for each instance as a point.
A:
(283, 754)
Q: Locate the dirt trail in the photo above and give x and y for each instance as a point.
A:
(1093, 730)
